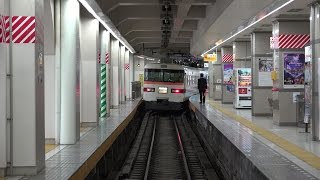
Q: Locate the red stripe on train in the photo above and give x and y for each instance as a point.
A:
(162, 83)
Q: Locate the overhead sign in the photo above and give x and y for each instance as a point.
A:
(274, 42)
(210, 57)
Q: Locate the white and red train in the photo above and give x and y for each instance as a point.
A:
(164, 86)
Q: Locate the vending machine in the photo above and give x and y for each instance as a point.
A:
(242, 84)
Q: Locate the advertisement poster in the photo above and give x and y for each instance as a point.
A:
(293, 76)
(265, 64)
(227, 73)
(230, 88)
(265, 68)
(244, 77)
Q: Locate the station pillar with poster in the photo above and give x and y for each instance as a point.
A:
(242, 84)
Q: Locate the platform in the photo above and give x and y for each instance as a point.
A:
(273, 155)
(76, 161)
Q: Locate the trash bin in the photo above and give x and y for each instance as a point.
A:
(136, 89)
(300, 110)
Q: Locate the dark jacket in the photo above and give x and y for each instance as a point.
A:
(202, 83)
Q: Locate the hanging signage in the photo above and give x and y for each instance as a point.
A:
(210, 57)
(274, 42)
(307, 54)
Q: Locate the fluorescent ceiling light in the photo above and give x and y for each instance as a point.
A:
(249, 26)
(94, 14)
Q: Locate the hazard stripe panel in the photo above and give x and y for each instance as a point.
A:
(227, 58)
(2, 29)
(23, 29)
(107, 58)
(293, 41)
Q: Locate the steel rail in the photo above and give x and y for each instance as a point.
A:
(182, 150)
(151, 148)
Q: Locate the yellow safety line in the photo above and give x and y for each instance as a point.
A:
(49, 147)
(306, 156)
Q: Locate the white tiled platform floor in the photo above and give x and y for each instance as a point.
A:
(63, 161)
(293, 134)
(289, 133)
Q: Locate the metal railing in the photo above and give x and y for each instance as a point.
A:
(136, 89)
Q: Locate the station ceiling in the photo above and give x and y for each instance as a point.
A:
(157, 24)
(181, 26)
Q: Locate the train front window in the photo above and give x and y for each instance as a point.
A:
(164, 75)
(173, 76)
(153, 75)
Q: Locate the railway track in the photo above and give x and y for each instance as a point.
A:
(166, 148)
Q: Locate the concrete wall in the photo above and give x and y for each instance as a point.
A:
(242, 54)
(231, 163)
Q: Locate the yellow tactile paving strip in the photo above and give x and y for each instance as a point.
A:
(306, 156)
(49, 147)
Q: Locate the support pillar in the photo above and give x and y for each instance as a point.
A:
(131, 72)
(115, 73)
(50, 74)
(122, 74)
(262, 65)
(216, 78)
(315, 55)
(108, 66)
(90, 52)
(27, 79)
(104, 75)
(227, 74)
(127, 75)
(70, 76)
(288, 63)
(242, 54)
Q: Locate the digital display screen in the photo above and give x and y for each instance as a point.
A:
(163, 90)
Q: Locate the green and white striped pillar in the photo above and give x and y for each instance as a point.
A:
(103, 88)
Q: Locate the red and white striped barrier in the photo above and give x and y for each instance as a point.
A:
(227, 58)
(23, 29)
(2, 29)
(107, 58)
(289, 41)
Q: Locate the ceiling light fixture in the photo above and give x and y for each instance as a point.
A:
(267, 15)
(94, 14)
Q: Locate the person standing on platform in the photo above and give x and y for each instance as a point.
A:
(202, 86)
